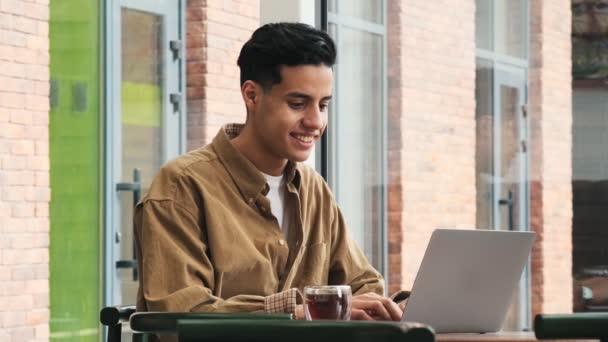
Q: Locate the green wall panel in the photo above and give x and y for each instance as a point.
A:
(76, 162)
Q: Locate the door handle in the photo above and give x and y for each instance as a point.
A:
(509, 203)
(135, 188)
(176, 101)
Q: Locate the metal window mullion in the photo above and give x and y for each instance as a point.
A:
(496, 148)
(113, 144)
(323, 158)
(335, 166)
(356, 23)
(493, 25)
(156, 7)
(183, 114)
(384, 157)
(172, 83)
(500, 58)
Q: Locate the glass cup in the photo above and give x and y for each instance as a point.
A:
(331, 302)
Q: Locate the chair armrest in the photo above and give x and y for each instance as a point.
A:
(112, 315)
(166, 322)
(302, 331)
(574, 326)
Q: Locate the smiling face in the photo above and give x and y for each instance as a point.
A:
(285, 121)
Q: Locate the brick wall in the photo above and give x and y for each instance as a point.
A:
(431, 58)
(551, 149)
(216, 30)
(24, 170)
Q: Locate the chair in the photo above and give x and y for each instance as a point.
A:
(113, 317)
(146, 323)
(591, 325)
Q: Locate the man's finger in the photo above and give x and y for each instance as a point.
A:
(360, 315)
(373, 307)
(402, 304)
(394, 310)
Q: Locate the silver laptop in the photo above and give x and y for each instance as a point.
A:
(467, 278)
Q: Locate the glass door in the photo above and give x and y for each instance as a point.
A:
(510, 172)
(145, 109)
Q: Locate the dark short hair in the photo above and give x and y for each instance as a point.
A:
(277, 44)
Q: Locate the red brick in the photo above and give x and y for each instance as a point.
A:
(9, 68)
(37, 11)
(17, 303)
(38, 316)
(12, 7)
(25, 256)
(41, 300)
(26, 25)
(12, 319)
(22, 333)
(7, 53)
(23, 147)
(7, 21)
(42, 332)
(22, 209)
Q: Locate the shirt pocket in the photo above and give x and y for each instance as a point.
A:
(315, 264)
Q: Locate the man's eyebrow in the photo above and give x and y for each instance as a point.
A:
(298, 94)
(306, 96)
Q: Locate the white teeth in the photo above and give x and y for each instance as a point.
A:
(304, 138)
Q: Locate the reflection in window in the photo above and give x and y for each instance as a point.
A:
(483, 143)
(367, 10)
(590, 153)
(483, 24)
(357, 118)
(510, 27)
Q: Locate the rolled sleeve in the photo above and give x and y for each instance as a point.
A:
(282, 302)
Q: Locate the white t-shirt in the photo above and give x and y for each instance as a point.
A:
(276, 195)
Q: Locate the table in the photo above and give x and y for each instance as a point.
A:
(499, 337)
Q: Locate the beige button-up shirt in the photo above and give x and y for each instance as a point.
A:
(207, 240)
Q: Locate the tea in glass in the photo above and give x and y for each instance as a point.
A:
(327, 302)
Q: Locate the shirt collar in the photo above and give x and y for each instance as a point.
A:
(250, 181)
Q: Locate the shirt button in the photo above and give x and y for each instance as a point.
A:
(251, 201)
(282, 242)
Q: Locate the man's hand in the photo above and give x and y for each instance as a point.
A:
(371, 306)
(299, 312)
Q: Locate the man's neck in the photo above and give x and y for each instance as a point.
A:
(250, 147)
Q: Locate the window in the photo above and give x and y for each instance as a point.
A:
(356, 136)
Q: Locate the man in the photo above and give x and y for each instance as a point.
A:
(241, 224)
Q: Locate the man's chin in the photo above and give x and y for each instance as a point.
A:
(299, 157)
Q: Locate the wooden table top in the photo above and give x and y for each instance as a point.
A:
(505, 336)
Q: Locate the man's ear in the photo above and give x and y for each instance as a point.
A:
(251, 93)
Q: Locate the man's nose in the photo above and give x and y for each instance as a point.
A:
(314, 119)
